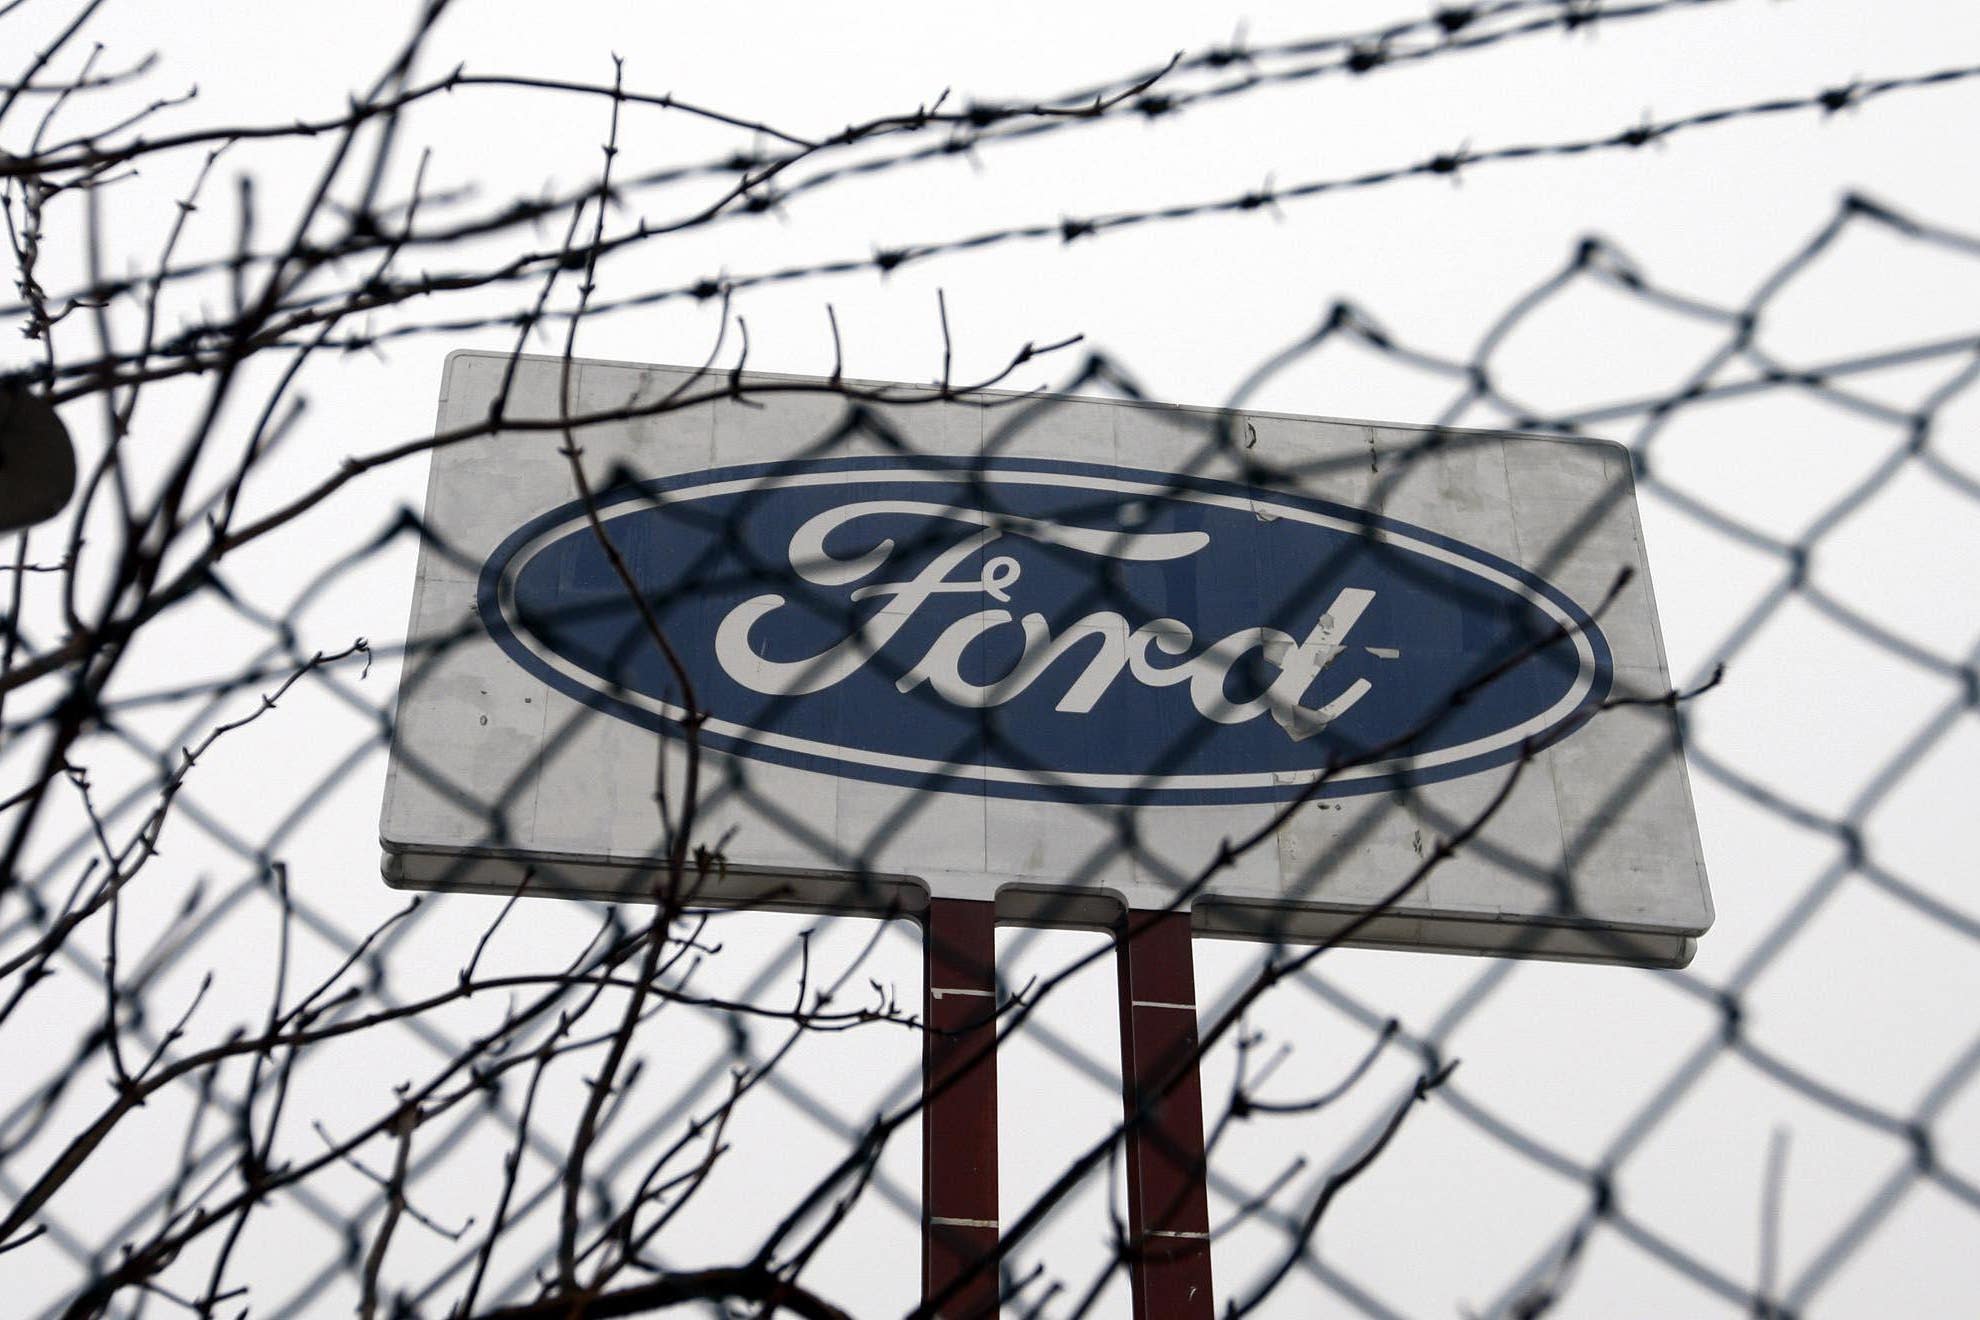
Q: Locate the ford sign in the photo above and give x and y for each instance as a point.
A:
(1049, 653)
(1067, 631)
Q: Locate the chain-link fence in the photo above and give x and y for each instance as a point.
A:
(244, 1077)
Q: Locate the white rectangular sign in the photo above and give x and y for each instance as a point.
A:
(1049, 652)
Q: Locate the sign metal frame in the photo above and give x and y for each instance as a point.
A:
(1594, 858)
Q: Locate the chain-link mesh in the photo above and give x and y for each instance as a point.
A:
(242, 1082)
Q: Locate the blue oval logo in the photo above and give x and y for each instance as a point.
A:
(1042, 629)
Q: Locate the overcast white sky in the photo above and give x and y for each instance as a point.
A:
(1869, 997)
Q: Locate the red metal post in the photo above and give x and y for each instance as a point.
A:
(959, 1120)
(1168, 1205)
